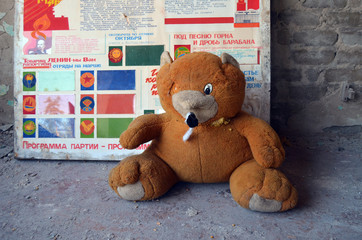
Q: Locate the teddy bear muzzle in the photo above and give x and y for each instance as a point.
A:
(203, 107)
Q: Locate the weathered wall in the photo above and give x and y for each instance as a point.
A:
(316, 46)
(7, 12)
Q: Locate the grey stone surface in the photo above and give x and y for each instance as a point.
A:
(283, 4)
(310, 92)
(315, 38)
(340, 19)
(357, 76)
(72, 199)
(289, 75)
(342, 75)
(325, 3)
(351, 56)
(299, 17)
(313, 56)
(283, 37)
(351, 36)
(312, 74)
(354, 3)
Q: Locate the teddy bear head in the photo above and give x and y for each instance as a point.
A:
(201, 85)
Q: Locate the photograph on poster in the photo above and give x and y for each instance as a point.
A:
(40, 45)
(56, 104)
(56, 127)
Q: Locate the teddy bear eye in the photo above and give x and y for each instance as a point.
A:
(208, 89)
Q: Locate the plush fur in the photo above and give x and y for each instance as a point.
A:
(226, 144)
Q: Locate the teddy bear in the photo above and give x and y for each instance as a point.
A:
(204, 137)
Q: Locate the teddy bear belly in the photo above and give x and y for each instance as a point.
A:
(204, 158)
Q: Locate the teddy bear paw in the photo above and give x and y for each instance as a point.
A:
(260, 204)
(132, 192)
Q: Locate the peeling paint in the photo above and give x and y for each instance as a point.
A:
(11, 103)
(8, 28)
(4, 89)
(2, 14)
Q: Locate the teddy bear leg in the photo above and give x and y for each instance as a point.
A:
(142, 177)
(262, 189)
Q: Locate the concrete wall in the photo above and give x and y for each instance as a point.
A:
(316, 47)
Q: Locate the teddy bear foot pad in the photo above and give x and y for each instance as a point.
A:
(131, 192)
(260, 204)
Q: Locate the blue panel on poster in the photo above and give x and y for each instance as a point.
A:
(56, 128)
(116, 80)
(44, 133)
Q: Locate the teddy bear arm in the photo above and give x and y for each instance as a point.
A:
(141, 130)
(264, 142)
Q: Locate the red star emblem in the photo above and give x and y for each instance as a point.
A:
(87, 79)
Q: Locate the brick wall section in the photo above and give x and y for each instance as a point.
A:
(316, 46)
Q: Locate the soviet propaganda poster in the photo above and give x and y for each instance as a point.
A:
(86, 68)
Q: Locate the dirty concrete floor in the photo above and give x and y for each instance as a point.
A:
(72, 200)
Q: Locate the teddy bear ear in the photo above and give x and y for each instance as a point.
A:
(165, 58)
(227, 58)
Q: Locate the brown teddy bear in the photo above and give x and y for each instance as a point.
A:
(204, 137)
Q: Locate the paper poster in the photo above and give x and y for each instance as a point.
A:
(86, 68)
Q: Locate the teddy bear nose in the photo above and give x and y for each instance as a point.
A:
(191, 120)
